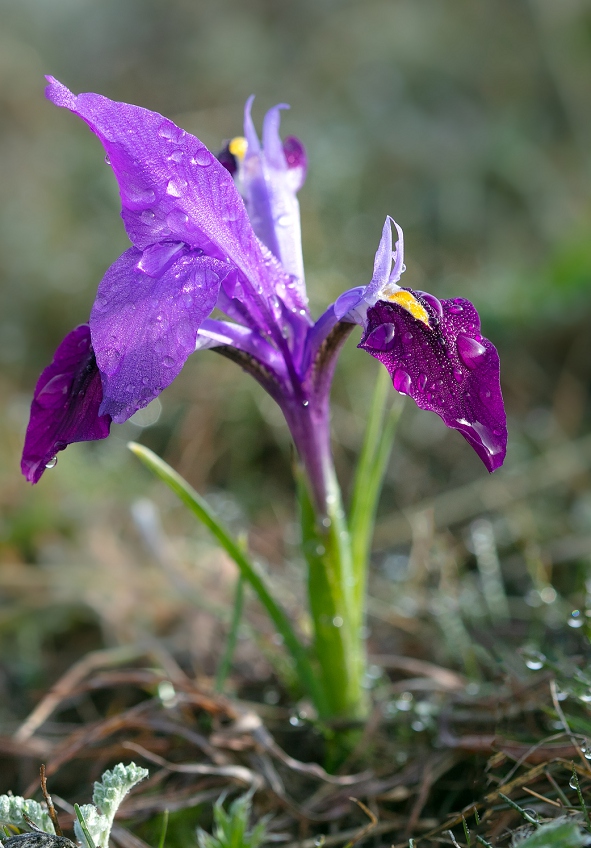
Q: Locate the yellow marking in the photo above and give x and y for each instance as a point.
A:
(237, 147)
(409, 302)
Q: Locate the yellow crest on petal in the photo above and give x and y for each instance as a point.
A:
(237, 147)
(409, 302)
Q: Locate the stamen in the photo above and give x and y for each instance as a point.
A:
(238, 147)
(409, 302)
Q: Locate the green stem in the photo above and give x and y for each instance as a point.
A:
(338, 643)
(204, 513)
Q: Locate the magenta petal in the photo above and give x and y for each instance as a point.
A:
(447, 368)
(144, 323)
(65, 406)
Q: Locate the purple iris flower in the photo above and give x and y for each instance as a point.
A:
(225, 233)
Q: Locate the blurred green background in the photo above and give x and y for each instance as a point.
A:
(469, 122)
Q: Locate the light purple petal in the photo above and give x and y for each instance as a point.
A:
(270, 188)
(144, 327)
(214, 333)
(384, 272)
(65, 406)
(172, 188)
(448, 368)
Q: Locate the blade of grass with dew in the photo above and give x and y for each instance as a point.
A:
(375, 453)
(199, 507)
(84, 827)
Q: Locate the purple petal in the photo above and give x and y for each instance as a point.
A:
(144, 327)
(384, 272)
(172, 188)
(270, 187)
(65, 406)
(448, 368)
(214, 333)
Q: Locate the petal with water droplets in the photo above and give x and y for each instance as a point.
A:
(65, 406)
(144, 325)
(447, 368)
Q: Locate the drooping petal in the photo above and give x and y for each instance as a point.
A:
(447, 368)
(270, 187)
(145, 319)
(172, 188)
(214, 333)
(65, 406)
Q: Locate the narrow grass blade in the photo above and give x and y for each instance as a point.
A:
(205, 514)
(84, 827)
(226, 661)
(377, 445)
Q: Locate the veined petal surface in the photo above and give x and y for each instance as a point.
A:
(172, 188)
(144, 327)
(447, 368)
(65, 406)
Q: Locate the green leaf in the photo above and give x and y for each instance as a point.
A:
(205, 514)
(13, 809)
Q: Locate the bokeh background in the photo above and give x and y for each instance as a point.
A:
(470, 123)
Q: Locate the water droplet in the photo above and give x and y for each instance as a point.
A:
(573, 783)
(147, 216)
(402, 381)
(534, 665)
(176, 156)
(458, 375)
(54, 393)
(136, 197)
(456, 307)
(576, 620)
(585, 697)
(470, 350)
(51, 463)
(337, 621)
(305, 403)
(433, 302)
(177, 219)
(202, 157)
(422, 382)
(176, 187)
(107, 160)
(282, 220)
(407, 338)
(381, 337)
(171, 132)
(231, 212)
(168, 361)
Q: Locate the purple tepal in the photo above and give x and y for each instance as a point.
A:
(65, 406)
(446, 366)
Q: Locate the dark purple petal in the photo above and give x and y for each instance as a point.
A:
(447, 368)
(145, 320)
(65, 406)
(172, 188)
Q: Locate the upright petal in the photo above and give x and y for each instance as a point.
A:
(171, 186)
(446, 366)
(145, 319)
(271, 176)
(65, 406)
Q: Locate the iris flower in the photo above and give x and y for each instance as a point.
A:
(224, 232)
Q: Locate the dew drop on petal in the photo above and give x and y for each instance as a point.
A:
(471, 352)
(456, 307)
(458, 375)
(176, 156)
(407, 338)
(433, 302)
(422, 382)
(203, 157)
(53, 394)
(147, 216)
(176, 187)
(168, 361)
(177, 218)
(282, 220)
(107, 162)
(402, 381)
(51, 463)
(382, 337)
(171, 132)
